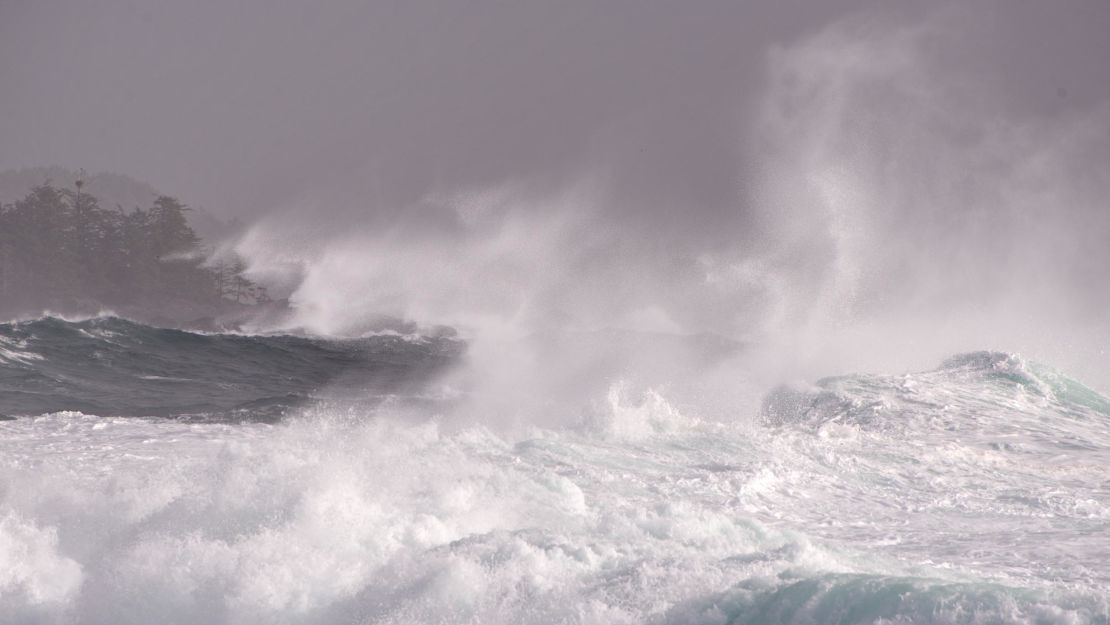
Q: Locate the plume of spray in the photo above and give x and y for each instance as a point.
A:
(907, 216)
(894, 218)
(543, 289)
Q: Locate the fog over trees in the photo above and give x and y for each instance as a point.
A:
(61, 250)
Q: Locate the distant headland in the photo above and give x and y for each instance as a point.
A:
(77, 244)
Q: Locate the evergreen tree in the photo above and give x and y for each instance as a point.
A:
(88, 236)
(168, 228)
(37, 225)
(59, 247)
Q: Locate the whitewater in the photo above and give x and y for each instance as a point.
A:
(975, 492)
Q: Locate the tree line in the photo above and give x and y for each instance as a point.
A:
(60, 249)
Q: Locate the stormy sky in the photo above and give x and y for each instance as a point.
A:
(752, 169)
(241, 106)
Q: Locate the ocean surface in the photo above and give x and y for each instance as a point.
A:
(161, 476)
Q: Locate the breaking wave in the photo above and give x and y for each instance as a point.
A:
(114, 367)
(972, 493)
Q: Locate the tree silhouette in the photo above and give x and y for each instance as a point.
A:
(59, 248)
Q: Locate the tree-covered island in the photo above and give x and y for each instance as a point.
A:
(61, 251)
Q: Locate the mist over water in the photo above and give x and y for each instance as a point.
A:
(889, 209)
(858, 377)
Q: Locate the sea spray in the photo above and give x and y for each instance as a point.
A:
(642, 514)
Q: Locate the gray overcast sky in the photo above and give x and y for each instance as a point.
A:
(774, 169)
(241, 105)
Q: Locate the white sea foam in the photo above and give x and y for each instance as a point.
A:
(643, 515)
(14, 351)
(32, 572)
